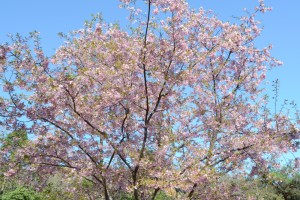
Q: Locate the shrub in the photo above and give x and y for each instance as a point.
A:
(22, 193)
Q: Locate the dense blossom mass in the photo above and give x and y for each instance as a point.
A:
(171, 105)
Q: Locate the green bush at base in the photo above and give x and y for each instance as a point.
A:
(22, 193)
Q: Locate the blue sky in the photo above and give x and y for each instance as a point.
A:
(281, 27)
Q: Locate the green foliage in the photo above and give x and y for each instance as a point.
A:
(56, 188)
(258, 190)
(282, 184)
(286, 184)
(15, 139)
(22, 193)
(125, 196)
(11, 143)
(87, 184)
(162, 196)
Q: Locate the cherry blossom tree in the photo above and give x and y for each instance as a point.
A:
(169, 106)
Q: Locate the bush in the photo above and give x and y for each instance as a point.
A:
(22, 193)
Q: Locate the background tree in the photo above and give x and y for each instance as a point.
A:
(9, 144)
(285, 182)
(167, 108)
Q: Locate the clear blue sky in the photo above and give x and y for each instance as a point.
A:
(281, 27)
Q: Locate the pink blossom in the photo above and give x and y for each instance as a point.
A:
(10, 172)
